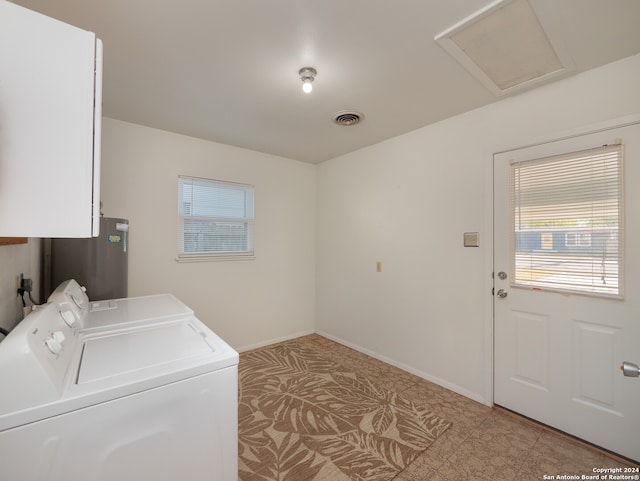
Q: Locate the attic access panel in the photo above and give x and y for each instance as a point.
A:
(509, 45)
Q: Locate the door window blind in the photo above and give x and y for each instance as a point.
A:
(567, 222)
(215, 218)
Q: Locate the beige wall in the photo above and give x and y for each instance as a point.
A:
(248, 302)
(407, 202)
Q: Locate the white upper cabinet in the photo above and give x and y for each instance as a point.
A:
(50, 113)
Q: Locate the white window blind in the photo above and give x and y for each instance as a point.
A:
(215, 219)
(568, 222)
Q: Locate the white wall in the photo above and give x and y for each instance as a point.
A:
(15, 260)
(407, 202)
(248, 303)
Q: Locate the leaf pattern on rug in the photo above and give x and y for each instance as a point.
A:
(304, 407)
(280, 458)
(302, 417)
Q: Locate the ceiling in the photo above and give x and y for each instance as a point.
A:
(227, 70)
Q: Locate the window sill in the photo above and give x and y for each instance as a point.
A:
(248, 256)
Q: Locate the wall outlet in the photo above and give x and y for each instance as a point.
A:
(27, 285)
(19, 281)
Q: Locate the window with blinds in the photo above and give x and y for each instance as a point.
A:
(215, 219)
(567, 222)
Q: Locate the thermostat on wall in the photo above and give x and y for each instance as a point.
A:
(471, 239)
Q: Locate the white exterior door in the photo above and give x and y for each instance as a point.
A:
(558, 354)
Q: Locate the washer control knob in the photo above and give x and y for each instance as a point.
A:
(58, 336)
(77, 302)
(68, 318)
(54, 346)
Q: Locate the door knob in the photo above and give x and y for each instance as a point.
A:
(630, 369)
(502, 293)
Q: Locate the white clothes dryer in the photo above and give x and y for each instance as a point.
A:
(131, 390)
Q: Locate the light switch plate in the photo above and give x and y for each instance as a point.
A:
(471, 239)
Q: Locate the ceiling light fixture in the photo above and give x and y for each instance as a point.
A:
(307, 75)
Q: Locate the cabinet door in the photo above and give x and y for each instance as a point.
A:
(49, 158)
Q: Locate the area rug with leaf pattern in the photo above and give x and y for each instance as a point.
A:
(303, 417)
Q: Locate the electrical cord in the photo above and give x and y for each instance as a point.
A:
(32, 301)
(26, 286)
(21, 292)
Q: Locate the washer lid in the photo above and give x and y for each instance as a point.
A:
(150, 350)
(107, 314)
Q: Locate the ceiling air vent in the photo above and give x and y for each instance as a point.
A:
(347, 117)
(510, 45)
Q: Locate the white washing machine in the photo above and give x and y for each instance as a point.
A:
(131, 389)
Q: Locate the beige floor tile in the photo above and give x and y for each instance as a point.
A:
(503, 432)
(555, 455)
(474, 469)
(416, 471)
(444, 447)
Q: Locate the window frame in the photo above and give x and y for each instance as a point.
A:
(583, 236)
(248, 219)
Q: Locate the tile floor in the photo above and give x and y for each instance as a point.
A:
(483, 444)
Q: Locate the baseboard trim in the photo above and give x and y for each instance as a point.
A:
(275, 341)
(428, 377)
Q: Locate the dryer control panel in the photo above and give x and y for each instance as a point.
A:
(72, 301)
(39, 349)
